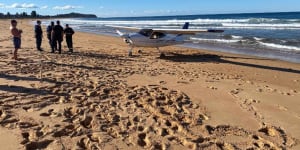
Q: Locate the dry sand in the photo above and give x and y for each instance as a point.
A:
(98, 98)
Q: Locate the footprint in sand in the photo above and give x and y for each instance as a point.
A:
(285, 93)
(212, 87)
(259, 90)
(162, 82)
(234, 92)
(143, 140)
(281, 108)
(182, 82)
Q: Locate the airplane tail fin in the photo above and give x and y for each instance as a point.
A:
(186, 25)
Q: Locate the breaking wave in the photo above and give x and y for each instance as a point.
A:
(253, 23)
(273, 32)
(280, 47)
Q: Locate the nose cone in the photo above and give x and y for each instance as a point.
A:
(127, 41)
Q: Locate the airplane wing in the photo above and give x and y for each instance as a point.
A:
(169, 31)
(185, 31)
(134, 29)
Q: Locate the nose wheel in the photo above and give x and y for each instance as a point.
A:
(162, 55)
(130, 53)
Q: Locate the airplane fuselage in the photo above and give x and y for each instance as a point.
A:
(138, 40)
(156, 38)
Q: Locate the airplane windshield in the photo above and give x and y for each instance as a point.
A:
(146, 32)
(157, 35)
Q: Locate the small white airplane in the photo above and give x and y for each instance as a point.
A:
(156, 38)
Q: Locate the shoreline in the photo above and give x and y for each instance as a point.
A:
(225, 50)
(275, 54)
(99, 97)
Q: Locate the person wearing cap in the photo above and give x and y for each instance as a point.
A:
(69, 33)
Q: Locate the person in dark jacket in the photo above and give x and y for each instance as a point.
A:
(52, 43)
(38, 35)
(69, 33)
(58, 34)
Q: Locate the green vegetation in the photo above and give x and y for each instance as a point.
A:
(34, 14)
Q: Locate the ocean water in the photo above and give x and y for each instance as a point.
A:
(272, 35)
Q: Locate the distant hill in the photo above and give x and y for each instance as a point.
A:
(75, 15)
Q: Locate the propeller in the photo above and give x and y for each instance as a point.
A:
(126, 37)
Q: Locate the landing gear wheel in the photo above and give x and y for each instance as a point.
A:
(162, 55)
(130, 53)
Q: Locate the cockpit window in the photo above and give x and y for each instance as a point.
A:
(157, 35)
(146, 32)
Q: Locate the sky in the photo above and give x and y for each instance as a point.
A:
(126, 8)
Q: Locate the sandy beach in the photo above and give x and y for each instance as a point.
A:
(99, 98)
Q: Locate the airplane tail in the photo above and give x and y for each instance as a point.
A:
(186, 25)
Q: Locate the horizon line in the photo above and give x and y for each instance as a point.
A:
(271, 12)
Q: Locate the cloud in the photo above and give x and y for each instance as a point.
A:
(2, 5)
(44, 7)
(67, 7)
(162, 12)
(22, 6)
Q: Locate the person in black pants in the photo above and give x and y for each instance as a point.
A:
(58, 33)
(69, 33)
(38, 35)
(52, 43)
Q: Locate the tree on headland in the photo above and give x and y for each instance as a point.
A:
(8, 15)
(24, 15)
(33, 14)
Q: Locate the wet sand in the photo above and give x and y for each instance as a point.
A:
(98, 98)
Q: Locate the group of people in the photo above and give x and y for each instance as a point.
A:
(55, 35)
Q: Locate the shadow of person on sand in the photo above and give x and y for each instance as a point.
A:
(18, 78)
(28, 91)
(99, 56)
(38, 145)
(222, 59)
(80, 66)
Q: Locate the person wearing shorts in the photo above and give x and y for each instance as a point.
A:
(16, 33)
(17, 42)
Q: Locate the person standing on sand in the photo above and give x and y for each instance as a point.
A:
(58, 34)
(69, 33)
(38, 35)
(16, 38)
(52, 43)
